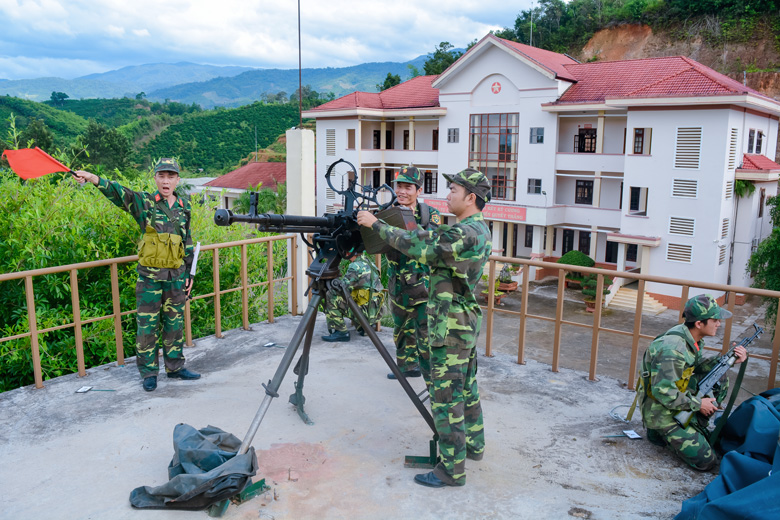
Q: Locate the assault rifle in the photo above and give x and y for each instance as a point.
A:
(708, 382)
(335, 236)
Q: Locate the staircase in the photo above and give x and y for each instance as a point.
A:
(626, 299)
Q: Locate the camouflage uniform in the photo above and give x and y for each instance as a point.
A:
(159, 291)
(456, 256)
(671, 369)
(362, 277)
(408, 284)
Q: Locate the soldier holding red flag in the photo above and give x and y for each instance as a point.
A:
(165, 259)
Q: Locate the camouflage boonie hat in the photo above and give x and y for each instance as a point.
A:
(474, 181)
(409, 174)
(166, 165)
(703, 307)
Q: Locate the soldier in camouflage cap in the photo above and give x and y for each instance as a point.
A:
(474, 181)
(671, 369)
(163, 281)
(456, 256)
(408, 283)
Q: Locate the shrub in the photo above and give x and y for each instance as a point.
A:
(577, 258)
(590, 283)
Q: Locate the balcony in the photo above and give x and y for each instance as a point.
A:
(590, 162)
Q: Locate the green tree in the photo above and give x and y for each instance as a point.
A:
(390, 81)
(441, 58)
(765, 262)
(58, 98)
(107, 147)
(268, 200)
(413, 71)
(37, 134)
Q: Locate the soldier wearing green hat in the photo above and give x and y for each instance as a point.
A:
(165, 259)
(408, 283)
(456, 256)
(671, 368)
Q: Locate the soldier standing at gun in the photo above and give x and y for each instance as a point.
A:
(408, 284)
(672, 367)
(363, 280)
(456, 256)
(165, 258)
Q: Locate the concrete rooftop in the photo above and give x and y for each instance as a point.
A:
(78, 456)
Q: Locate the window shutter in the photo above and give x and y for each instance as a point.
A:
(688, 150)
(733, 142)
(729, 189)
(721, 255)
(724, 228)
(688, 188)
(679, 253)
(681, 226)
(330, 142)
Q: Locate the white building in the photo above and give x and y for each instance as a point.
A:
(632, 162)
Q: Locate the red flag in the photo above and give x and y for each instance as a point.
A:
(29, 163)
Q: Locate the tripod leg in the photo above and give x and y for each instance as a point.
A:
(358, 313)
(302, 368)
(272, 387)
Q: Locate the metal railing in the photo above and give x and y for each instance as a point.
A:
(596, 326)
(34, 332)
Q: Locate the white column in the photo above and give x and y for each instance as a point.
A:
(597, 190)
(537, 249)
(644, 260)
(600, 133)
(621, 263)
(594, 238)
(301, 200)
(510, 239)
(411, 133)
(498, 234)
(550, 245)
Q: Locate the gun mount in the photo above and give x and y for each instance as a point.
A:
(335, 236)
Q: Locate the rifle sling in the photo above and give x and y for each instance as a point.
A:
(723, 418)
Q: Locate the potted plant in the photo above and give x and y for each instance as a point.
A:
(505, 282)
(578, 258)
(589, 286)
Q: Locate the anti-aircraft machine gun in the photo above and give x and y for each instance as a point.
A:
(335, 237)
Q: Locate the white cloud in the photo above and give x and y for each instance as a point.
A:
(259, 33)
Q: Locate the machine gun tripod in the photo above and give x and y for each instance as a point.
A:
(336, 236)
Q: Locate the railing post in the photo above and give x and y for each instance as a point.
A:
(217, 309)
(187, 323)
(120, 347)
(594, 347)
(293, 244)
(683, 299)
(33, 322)
(523, 312)
(727, 328)
(491, 291)
(270, 278)
(245, 288)
(558, 319)
(74, 300)
(640, 296)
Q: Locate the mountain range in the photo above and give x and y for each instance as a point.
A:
(208, 85)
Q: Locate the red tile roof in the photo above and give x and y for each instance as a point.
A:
(552, 61)
(675, 76)
(414, 93)
(758, 162)
(269, 173)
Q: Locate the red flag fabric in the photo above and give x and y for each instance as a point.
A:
(29, 163)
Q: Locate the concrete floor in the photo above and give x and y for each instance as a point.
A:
(550, 452)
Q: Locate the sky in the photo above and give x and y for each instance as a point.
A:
(72, 38)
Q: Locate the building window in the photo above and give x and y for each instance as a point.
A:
(631, 252)
(493, 151)
(388, 176)
(406, 139)
(638, 201)
(537, 135)
(585, 141)
(584, 193)
(568, 241)
(529, 236)
(330, 142)
(351, 139)
(435, 143)
(535, 186)
(759, 141)
(639, 140)
(584, 245)
(430, 182)
(388, 140)
(453, 135)
(751, 140)
(611, 252)
(761, 201)
(377, 178)
(377, 139)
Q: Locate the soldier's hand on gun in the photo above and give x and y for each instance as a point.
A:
(366, 218)
(84, 176)
(708, 406)
(741, 353)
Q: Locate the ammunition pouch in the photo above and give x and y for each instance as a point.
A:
(161, 250)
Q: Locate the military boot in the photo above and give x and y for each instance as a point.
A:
(337, 335)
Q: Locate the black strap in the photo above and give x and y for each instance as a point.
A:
(167, 210)
(425, 215)
(723, 418)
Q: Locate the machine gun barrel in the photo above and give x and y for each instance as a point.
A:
(278, 223)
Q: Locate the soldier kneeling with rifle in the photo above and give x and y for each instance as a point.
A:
(673, 378)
